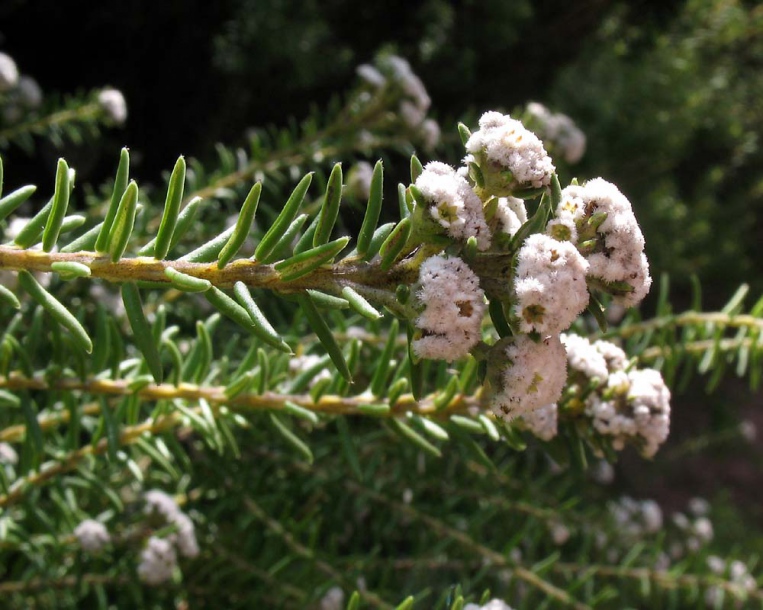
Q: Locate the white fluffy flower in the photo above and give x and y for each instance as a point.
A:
(504, 144)
(542, 422)
(157, 561)
(560, 533)
(8, 454)
(9, 73)
(371, 75)
(184, 536)
(454, 306)
(453, 204)
(582, 356)
(92, 535)
(333, 599)
(430, 133)
(549, 285)
(511, 214)
(359, 180)
(113, 103)
(29, 92)
(531, 375)
(559, 131)
(618, 252)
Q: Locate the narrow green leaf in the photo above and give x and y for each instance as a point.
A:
(381, 370)
(373, 209)
(171, 210)
(6, 296)
(406, 604)
(9, 399)
(257, 321)
(410, 434)
(59, 313)
(402, 199)
(34, 432)
(354, 603)
(464, 133)
(242, 228)
(72, 222)
(446, 395)
(12, 201)
(283, 220)
(291, 438)
(348, 446)
(394, 244)
(60, 205)
(325, 336)
(124, 220)
(321, 299)
(70, 269)
(330, 209)
(468, 424)
(298, 411)
(239, 385)
(416, 168)
(120, 185)
(378, 238)
(209, 251)
(359, 304)
(378, 410)
(111, 429)
(185, 282)
(30, 233)
(184, 222)
(84, 242)
(300, 265)
(141, 329)
(556, 192)
(430, 427)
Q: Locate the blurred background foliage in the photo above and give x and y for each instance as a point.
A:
(668, 93)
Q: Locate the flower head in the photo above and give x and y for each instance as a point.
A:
(453, 308)
(510, 156)
(92, 535)
(157, 561)
(113, 103)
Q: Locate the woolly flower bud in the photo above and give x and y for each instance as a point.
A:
(526, 375)
(454, 305)
(510, 214)
(542, 422)
(615, 247)
(9, 73)
(184, 536)
(157, 561)
(452, 203)
(508, 154)
(113, 103)
(159, 502)
(584, 357)
(92, 535)
(549, 285)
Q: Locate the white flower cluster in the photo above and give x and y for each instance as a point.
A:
(615, 248)
(493, 604)
(531, 375)
(396, 72)
(695, 528)
(510, 214)
(636, 518)
(542, 422)
(503, 144)
(549, 285)
(557, 130)
(158, 561)
(113, 104)
(453, 204)
(9, 73)
(92, 535)
(8, 454)
(454, 305)
(741, 580)
(158, 503)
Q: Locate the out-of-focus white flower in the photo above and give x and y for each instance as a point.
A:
(29, 92)
(157, 561)
(542, 422)
(493, 604)
(8, 454)
(748, 430)
(333, 599)
(560, 533)
(114, 105)
(9, 73)
(558, 131)
(92, 535)
(164, 505)
(359, 180)
(429, 131)
(603, 472)
(453, 308)
(371, 75)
